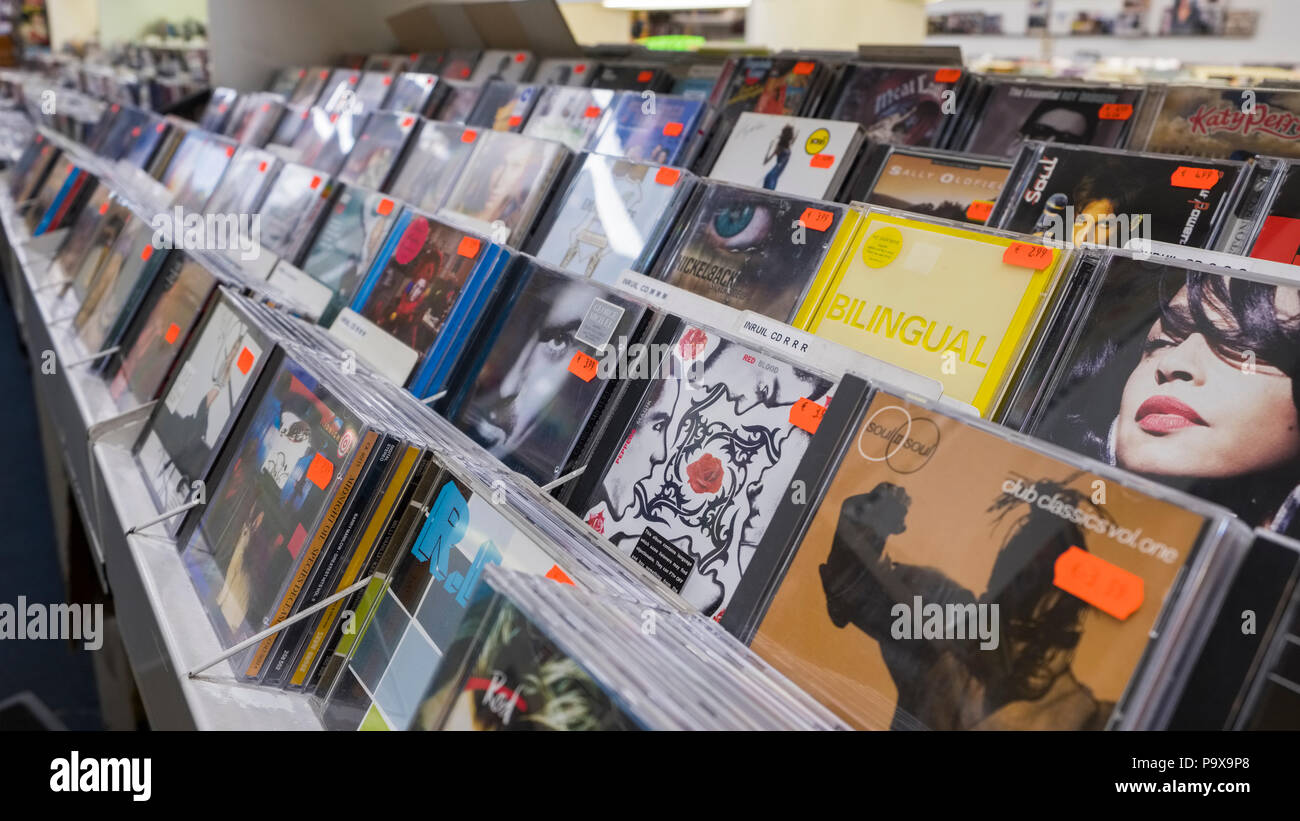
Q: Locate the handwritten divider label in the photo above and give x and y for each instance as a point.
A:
(1107, 587)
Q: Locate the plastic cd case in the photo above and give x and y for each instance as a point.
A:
(613, 216)
(1007, 112)
(1076, 194)
(752, 249)
(459, 101)
(255, 118)
(956, 303)
(569, 115)
(511, 66)
(632, 77)
(432, 164)
(311, 82)
(1274, 233)
(378, 150)
(895, 104)
(503, 106)
(943, 184)
(1223, 123)
(558, 71)
(1054, 611)
(218, 110)
(664, 134)
(293, 208)
(414, 93)
(790, 155)
(349, 238)
(247, 179)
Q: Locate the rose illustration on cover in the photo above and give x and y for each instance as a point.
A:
(705, 474)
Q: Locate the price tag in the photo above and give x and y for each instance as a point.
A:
(159, 128)
(644, 77)
(822, 160)
(514, 121)
(468, 247)
(315, 183)
(388, 80)
(245, 361)
(103, 208)
(469, 135)
(804, 67)
(817, 219)
(408, 122)
(173, 332)
(230, 151)
(385, 207)
(673, 129)
(807, 415)
(320, 471)
(579, 68)
(1115, 111)
(667, 176)
(135, 132)
(1110, 589)
(583, 366)
(555, 574)
(592, 112)
(947, 75)
(979, 210)
(520, 57)
(146, 252)
(1188, 177)
(1027, 255)
(261, 167)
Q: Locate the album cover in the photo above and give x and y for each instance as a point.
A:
(378, 149)
(459, 102)
(296, 450)
(290, 125)
(146, 140)
(1213, 425)
(951, 303)
(68, 203)
(524, 400)
(1074, 114)
(503, 672)
(294, 205)
(158, 332)
(791, 155)
(351, 235)
(284, 81)
(631, 77)
(372, 90)
(415, 94)
(45, 156)
(311, 82)
(416, 617)
(127, 124)
(341, 92)
(613, 217)
(1077, 194)
(314, 133)
(895, 104)
(660, 133)
(342, 139)
(511, 66)
(751, 249)
(255, 123)
(771, 85)
(413, 285)
(568, 115)
(1217, 122)
(117, 289)
(432, 165)
(59, 179)
(503, 185)
(706, 459)
(212, 378)
(936, 184)
(85, 232)
(557, 71)
(218, 110)
(699, 80)
(887, 620)
(191, 187)
(459, 63)
(503, 106)
(246, 182)
(1278, 237)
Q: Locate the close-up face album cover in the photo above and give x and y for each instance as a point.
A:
(756, 366)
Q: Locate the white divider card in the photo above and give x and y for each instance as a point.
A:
(374, 346)
(677, 301)
(257, 265)
(829, 357)
(1266, 268)
(304, 292)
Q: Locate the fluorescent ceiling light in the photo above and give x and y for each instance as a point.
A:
(671, 5)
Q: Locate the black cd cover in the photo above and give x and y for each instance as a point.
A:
(1076, 114)
(901, 105)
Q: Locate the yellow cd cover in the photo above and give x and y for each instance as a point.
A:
(953, 303)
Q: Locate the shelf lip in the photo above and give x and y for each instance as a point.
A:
(162, 621)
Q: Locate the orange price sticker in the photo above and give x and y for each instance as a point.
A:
(315, 183)
(245, 361)
(469, 135)
(644, 76)
(304, 114)
(979, 210)
(520, 57)
(816, 219)
(320, 471)
(266, 107)
(388, 81)
(583, 366)
(135, 132)
(673, 129)
(514, 121)
(579, 68)
(1115, 111)
(468, 247)
(230, 151)
(592, 112)
(385, 207)
(555, 574)
(1027, 255)
(324, 74)
(807, 415)
(159, 128)
(464, 72)
(804, 67)
(408, 122)
(667, 176)
(334, 117)
(146, 252)
(261, 167)
(352, 80)
(173, 331)
(103, 208)
(1185, 176)
(822, 160)
(1107, 587)
(947, 75)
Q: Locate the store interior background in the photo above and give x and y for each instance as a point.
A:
(247, 39)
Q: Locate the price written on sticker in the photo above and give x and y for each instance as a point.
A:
(807, 415)
(1027, 255)
(1185, 176)
(816, 219)
(1107, 587)
(583, 366)
(822, 160)
(1115, 111)
(979, 210)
